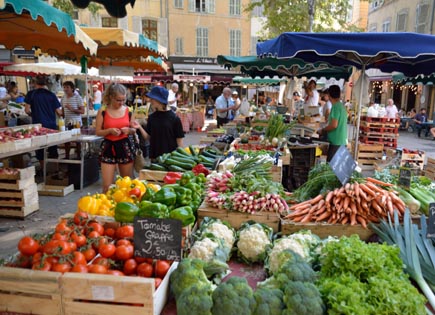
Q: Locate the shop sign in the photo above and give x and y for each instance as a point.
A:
(200, 78)
(116, 71)
(142, 79)
(198, 60)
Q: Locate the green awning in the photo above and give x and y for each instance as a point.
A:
(257, 81)
(420, 79)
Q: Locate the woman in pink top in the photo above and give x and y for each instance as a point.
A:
(114, 124)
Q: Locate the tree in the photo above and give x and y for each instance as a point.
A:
(294, 16)
(67, 7)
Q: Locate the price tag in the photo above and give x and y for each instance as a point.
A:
(431, 221)
(157, 238)
(405, 175)
(343, 164)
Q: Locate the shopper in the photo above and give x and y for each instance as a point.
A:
(311, 94)
(236, 103)
(337, 123)
(164, 129)
(43, 106)
(173, 97)
(391, 109)
(114, 123)
(73, 109)
(96, 101)
(420, 119)
(223, 107)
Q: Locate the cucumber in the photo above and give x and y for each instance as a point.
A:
(192, 150)
(184, 165)
(157, 167)
(182, 151)
(177, 155)
(183, 160)
(175, 168)
(206, 159)
(208, 154)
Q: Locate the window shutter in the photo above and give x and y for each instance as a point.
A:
(162, 32)
(123, 23)
(136, 22)
(192, 6)
(210, 6)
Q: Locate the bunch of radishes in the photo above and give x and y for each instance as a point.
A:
(255, 202)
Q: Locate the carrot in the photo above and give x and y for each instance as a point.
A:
(367, 190)
(320, 211)
(344, 220)
(299, 204)
(353, 219)
(362, 221)
(297, 213)
(378, 182)
(390, 206)
(316, 199)
(347, 186)
(377, 207)
(307, 218)
(364, 205)
(356, 189)
(323, 216)
(298, 219)
(375, 188)
(395, 198)
(353, 207)
(302, 207)
(321, 204)
(373, 218)
(329, 197)
(346, 202)
(362, 194)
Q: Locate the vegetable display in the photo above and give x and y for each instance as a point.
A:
(253, 241)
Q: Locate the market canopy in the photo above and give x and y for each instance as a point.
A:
(292, 67)
(35, 23)
(258, 81)
(149, 64)
(61, 68)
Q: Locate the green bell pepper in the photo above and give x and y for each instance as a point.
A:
(184, 195)
(125, 212)
(148, 194)
(166, 196)
(184, 214)
(154, 210)
(194, 187)
(186, 178)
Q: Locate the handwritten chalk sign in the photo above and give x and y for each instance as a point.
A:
(405, 175)
(431, 221)
(343, 164)
(157, 238)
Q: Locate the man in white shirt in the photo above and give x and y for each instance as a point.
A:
(312, 97)
(391, 109)
(223, 107)
(372, 111)
(173, 97)
(97, 97)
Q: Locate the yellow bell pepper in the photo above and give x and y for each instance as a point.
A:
(123, 182)
(139, 184)
(88, 204)
(154, 187)
(119, 195)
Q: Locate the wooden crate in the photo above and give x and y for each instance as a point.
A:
(28, 291)
(324, 230)
(235, 218)
(368, 155)
(429, 170)
(413, 159)
(16, 184)
(152, 176)
(52, 190)
(207, 140)
(95, 294)
(19, 198)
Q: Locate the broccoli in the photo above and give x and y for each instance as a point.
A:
(269, 302)
(188, 273)
(233, 297)
(195, 300)
(296, 269)
(302, 298)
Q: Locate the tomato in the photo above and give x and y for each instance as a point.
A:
(61, 267)
(102, 261)
(73, 246)
(123, 242)
(23, 261)
(157, 282)
(36, 258)
(63, 228)
(124, 252)
(161, 268)
(145, 270)
(94, 234)
(107, 250)
(110, 232)
(78, 258)
(130, 266)
(135, 192)
(79, 268)
(114, 272)
(125, 231)
(97, 269)
(28, 246)
(52, 259)
(81, 217)
(59, 236)
(57, 247)
(140, 260)
(78, 238)
(89, 254)
(42, 265)
(95, 226)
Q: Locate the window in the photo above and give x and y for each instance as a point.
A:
(373, 28)
(202, 42)
(421, 17)
(149, 29)
(402, 21)
(386, 25)
(235, 42)
(258, 11)
(178, 4)
(75, 14)
(202, 6)
(109, 21)
(179, 46)
(234, 7)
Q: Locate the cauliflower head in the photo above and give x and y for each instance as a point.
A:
(253, 242)
(204, 249)
(220, 230)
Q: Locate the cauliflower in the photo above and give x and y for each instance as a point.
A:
(204, 249)
(220, 230)
(254, 240)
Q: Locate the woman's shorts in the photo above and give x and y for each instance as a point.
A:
(117, 152)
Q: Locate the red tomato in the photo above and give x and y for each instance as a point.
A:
(97, 269)
(95, 226)
(23, 261)
(123, 242)
(78, 258)
(42, 265)
(94, 234)
(63, 228)
(79, 268)
(28, 246)
(57, 247)
(130, 266)
(157, 282)
(52, 259)
(73, 246)
(61, 267)
(162, 267)
(110, 232)
(60, 236)
(78, 238)
(135, 192)
(107, 250)
(125, 231)
(124, 252)
(114, 272)
(89, 254)
(145, 270)
(81, 218)
(140, 260)
(102, 261)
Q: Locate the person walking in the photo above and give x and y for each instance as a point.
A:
(43, 106)
(337, 123)
(164, 129)
(114, 123)
(223, 107)
(173, 97)
(73, 109)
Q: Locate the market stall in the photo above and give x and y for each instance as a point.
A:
(192, 118)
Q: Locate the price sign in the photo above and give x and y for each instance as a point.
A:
(157, 238)
(343, 164)
(405, 177)
(431, 223)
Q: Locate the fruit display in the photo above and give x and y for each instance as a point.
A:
(12, 134)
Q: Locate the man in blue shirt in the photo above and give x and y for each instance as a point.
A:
(420, 119)
(223, 107)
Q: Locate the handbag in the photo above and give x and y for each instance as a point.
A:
(139, 160)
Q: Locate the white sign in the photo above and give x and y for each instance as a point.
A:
(200, 78)
(116, 71)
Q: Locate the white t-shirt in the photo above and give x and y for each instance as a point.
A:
(372, 112)
(328, 105)
(171, 97)
(97, 97)
(3, 92)
(313, 100)
(392, 111)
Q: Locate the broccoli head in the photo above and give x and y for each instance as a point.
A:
(188, 273)
(296, 269)
(195, 300)
(233, 297)
(302, 298)
(269, 302)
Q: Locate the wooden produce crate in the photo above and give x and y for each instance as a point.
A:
(368, 155)
(26, 291)
(19, 173)
(236, 219)
(95, 294)
(430, 168)
(207, 140)
(152, 176)
(19, 198)
(415, 160)
(324, 230)
(53, 190)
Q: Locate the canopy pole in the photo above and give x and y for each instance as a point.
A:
(358, 118)
(87, 99)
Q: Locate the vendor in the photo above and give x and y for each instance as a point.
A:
(311, 94)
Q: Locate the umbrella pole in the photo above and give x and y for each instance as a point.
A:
(87, 100)
(363, 73)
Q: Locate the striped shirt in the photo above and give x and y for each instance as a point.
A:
(76, 102)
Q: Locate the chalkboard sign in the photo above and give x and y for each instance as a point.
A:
(431, 221)
(405, 177)
(343, 164)
(157, 238)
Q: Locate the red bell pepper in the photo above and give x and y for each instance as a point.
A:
(171, 177)
(200, 168)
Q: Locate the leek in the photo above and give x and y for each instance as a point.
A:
(415, 251)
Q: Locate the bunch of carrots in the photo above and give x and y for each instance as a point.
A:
(357, 203)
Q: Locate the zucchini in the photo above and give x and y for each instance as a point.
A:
(208, 154)
(175, 168)
(206, 159)
(157, 167)
(184, 165)
(182, 151)
(183, 160)
(182, 156)
(192, 150)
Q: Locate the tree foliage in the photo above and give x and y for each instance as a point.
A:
(67, 7)
(292, 16)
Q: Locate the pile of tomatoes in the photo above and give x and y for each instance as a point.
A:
(80, 244)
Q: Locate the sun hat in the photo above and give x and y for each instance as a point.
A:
(235, 93)
(159, 93)
(95, 86)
